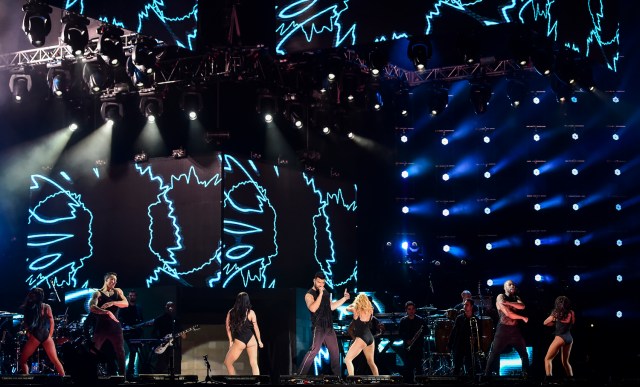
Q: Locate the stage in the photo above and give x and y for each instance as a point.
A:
(241, 380)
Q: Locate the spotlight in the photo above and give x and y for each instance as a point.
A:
(191, 102)
(139, 78)
(74, 33)
(444, 141)
(151, 107)
(437, 100)
(487, 210)
(20, 85)
(110, 45)
(326, 130)
(141, 157)
(419, 52)
(480, 94)
(516, 91)
(351, 135)
(36, 23)
(267, 106)
(111, 111)
(143, 55)
(562, 90)
(404, 138)
(377, 60)
(95, 76)
(405, 210)
(404, 174)
(295, 112)
(58, 80)
(179, 153)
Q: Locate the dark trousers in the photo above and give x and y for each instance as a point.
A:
(462, 357)
(326, 336)
(117, 341)
(508, 336)
(412, 363)
(134, 349)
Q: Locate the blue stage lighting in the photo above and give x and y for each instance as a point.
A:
(487, 175)
(444, 141)
(538, 277)
(619, 314)
(487, 210)
(619, 278)
(617, 172)
(574, 172)
(619, 242)
(576, 278)
(405, 210)
(445, 177)
(404, 138)
(445, 212)
(576, 242)
(618, 207)
(537, 242)
(446, 248)
(615, 137)
(404, 174)
(488, 246)
(486, 139)
(405, 245)
(489, 282)
(536, 207)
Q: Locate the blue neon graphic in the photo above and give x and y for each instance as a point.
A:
(61, 209)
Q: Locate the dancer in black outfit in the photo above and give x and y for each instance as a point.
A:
(562, 318)
(508, 332)
(412, 331)
(39, 324)
(320, 305)
(243, 332)
(363, 341)
(104, 305)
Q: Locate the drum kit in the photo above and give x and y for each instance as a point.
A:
(13, 336)
(438, 360)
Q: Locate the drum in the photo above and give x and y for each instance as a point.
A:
(485, 326)
(443, 328)
(452, 314)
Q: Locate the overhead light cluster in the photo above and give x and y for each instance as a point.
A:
(75, 33)
(37, 22)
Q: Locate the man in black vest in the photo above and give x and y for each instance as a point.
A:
(319, 302)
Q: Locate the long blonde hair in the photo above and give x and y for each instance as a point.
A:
(362, 303)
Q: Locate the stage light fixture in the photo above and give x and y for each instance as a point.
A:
(487, 210)
(36, 23)
(144, 54)
(191, 102)
(326, 130)
(20, 85)
(486, 139)
(111, 111)
(179, 153)
(405, 210)
(479, 96)
(74, 33)
(95, 76)
(404, 138)
(151, 107)
(59, 81)
(445, 176)
(437, 99)
(542, 60)
(516, 91)
(109, 45)
(378, 60)
(141, 157)
(295, 113)
(267, 106)
(562, 90)
(419, 52)
(140, 79)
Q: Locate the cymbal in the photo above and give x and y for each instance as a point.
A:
(4, 314)
(429, 308)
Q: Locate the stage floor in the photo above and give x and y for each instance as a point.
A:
(384, 380)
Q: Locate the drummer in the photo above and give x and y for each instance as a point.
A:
(459, 308)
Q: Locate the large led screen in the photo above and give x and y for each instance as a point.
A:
(223, 223)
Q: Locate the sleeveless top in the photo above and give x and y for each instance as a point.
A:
(564, 329)
(321, 318)
(39, 326)
(504, 320)
(244, 331)
(104, 323)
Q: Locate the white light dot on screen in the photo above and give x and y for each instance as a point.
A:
(536, 207)
(576, 278)
(537, 242)
(444, 141)
(574, 172)
(404, 174)
(404, 112)
(619, 242)
(489, 282)
(536, 137)
(405, 210)
(536, 100)
(615, 137)
(538, 277)
(487, 175)
(404, 138)
(618, 207)
(615, 99)
(576, 242)
(445, 177)
(575, 136)
(619, 314)
(446, 248)
(575, 206)
(488, 246)
(486, 139)
(487, 210)
(619, 278)
(405, 245)
(445, 212)
(617, 171)
(536, 172)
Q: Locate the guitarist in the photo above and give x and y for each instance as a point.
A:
(131, 318)
(163, 325)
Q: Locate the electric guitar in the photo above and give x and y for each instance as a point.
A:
(168, 339)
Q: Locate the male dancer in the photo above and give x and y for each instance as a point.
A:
(104, 304)
(508, 332)
(319, 302)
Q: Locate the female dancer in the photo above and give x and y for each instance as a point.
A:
(362, 312)
(562, 317)
(243, 332)
(38, 321)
